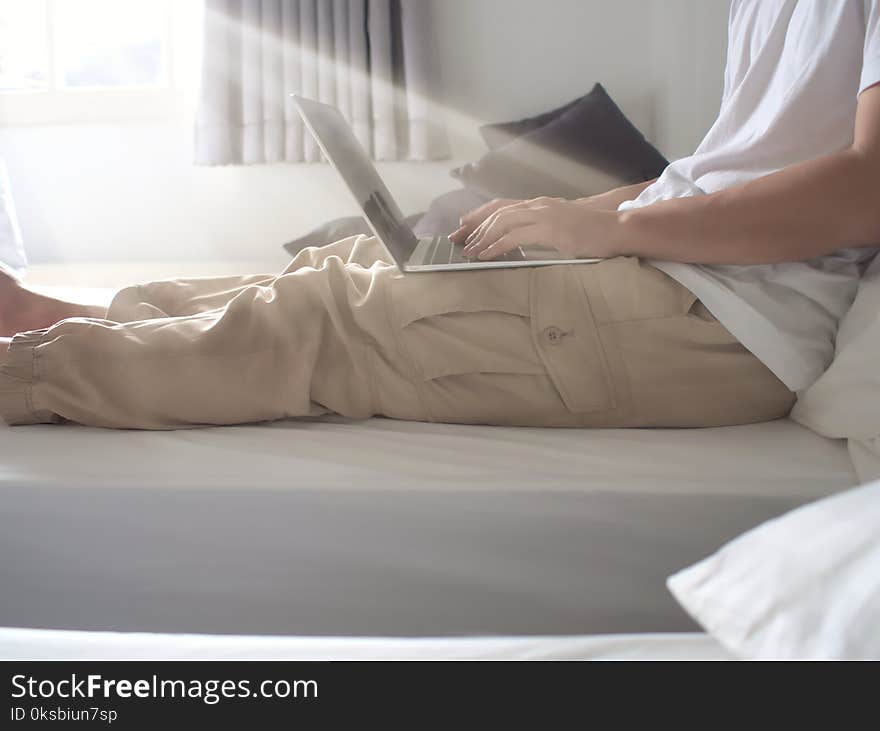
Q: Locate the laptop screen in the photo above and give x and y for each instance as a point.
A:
(337, 141)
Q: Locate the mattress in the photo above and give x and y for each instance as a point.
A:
(382, 528)
(30, 644)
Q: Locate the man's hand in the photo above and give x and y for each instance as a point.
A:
(573, 229)
(470, 222)
(804, 211)
(479, 219)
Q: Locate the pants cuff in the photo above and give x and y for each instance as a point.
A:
(18, 375)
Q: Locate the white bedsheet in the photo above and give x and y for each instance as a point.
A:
(383, 528)
(774, 460)
(24, 644)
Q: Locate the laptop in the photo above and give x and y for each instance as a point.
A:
(409, 252)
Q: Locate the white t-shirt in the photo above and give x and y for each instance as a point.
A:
(794, 72)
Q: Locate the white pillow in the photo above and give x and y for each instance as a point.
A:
(11, 248)
(806, 585)
(845, 401)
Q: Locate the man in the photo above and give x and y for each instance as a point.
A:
(719, 299)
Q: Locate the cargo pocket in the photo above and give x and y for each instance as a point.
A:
(707, 328)
(566, 337)
(459, 323)
(416, 296)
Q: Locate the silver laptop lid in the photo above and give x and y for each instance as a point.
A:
(337, 141)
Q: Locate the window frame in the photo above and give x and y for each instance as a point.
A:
(59, 105)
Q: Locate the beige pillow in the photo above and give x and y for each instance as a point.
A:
(845, 401)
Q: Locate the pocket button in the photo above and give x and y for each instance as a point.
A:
(553, 335)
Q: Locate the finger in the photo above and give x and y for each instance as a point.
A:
(479, 232)
(490, 221)
(525, 236)
(478, 215)
(472, 220)
(475, 235)
(460, 234)
(496, 226)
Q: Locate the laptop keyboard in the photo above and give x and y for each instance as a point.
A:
(442, 251)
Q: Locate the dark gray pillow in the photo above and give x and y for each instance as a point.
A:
(499, 134)
(587, 149)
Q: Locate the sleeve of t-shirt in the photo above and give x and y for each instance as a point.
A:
(731, 51)
(871, 57)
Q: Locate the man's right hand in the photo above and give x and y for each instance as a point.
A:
(470, 222)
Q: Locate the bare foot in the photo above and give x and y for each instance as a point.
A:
(22, 309)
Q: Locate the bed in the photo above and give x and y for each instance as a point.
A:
(381, 528)
(331, 538)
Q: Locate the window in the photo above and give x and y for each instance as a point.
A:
(110, 43)
(24, 56)
(83, 60)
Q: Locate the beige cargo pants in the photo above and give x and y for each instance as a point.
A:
(340, 331)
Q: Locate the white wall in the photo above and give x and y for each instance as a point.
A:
(504, 60)
(688, 52)
(128, 191)
(661, 60)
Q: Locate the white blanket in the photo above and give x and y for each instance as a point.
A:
(23, 644)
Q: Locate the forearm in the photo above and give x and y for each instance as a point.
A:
(798, 213)
(613, 198)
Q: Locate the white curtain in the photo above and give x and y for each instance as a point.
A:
(374, 59)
